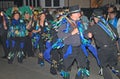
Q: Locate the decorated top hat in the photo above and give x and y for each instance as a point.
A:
(74, 9)
(15, 12)
(97, 13)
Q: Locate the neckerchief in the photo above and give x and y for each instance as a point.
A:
(114, 22)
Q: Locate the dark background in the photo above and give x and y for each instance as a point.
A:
(16, 2)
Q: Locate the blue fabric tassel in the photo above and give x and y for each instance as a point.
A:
(49, 47)
(84, 50)
(37, 38)
(67, 28)
(86, 44)
(68, 52)
(94, 52)
(47, 51)
(22, 45)
(13, 43)
(7, 43)
(48, 44)
(58, 44)
(92, 49)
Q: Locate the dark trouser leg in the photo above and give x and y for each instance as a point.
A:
(20, 51)
(66, 66)
(4, 38)
(11, 54)
(82, 64)
(107, 73)
(28, 47)
(54, 60)
(41, 43)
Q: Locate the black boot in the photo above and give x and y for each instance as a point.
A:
(41, 62)
(53, 70)
(11, 56)
(20, 60)
(20, 56)
(10, 61)
(40, 59)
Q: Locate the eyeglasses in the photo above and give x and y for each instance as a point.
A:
(112, 12)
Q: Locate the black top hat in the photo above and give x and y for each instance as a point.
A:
(16, 12)
(41, 12)
(74, 9)
(97, 13)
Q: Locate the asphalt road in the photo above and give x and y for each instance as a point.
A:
(29, 69)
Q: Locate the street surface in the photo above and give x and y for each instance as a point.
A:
(29, 69)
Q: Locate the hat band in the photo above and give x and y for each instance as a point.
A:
(75, 11)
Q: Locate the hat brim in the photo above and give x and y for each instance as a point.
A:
(98, 16)
(76, 11)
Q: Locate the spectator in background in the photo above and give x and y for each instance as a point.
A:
(84, 20)
(16, 36)
(49, 17)
(28, 40)
(3, 34)
(114, 20)
(112, 16)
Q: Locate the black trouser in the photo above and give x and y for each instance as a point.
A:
(108, 58)
(107, 73)
(56, 54)
(108, 55)
(28, 46)
(15, 47)
(42, 45)
(3, 40)
(77, 55)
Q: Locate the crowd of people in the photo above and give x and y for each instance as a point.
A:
(63, 36)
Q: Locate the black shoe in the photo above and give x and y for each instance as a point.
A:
(10, 61)
(53, 71)
(4, 57)
(20, 60)
(41, 62)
